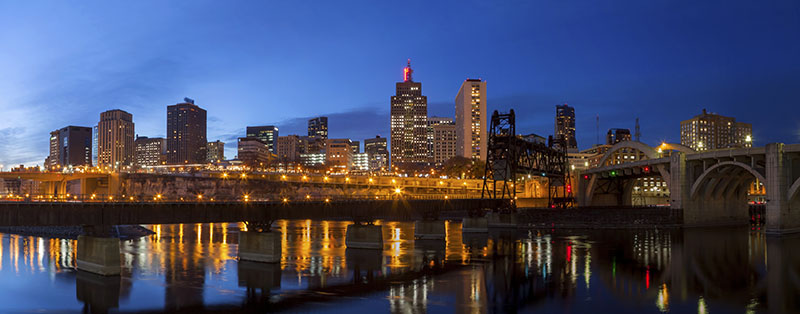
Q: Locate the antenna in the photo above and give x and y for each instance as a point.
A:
(638, 134)
(598, 130)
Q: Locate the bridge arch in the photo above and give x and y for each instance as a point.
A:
(648, 151)
(719, 185)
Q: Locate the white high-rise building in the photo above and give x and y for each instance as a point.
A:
(471, 119)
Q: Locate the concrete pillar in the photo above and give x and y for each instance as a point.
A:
(262, 247)
(502, 220)
(429, 229)
(474, 224)
(98, 255)
(779, 219)
(364, 236)
(678, 187)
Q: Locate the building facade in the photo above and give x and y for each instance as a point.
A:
(565, 126)
(215, 151)
(442, 140)
(471, 119)
(186, 133)
(377, 153)
(289, 148)
(339, 153)
(708, 131)
(617, 135)
(115, 135)
(318, 128)
(409, 122)
(267, 134)
(253, 152)
(150, 151)
(70, 146)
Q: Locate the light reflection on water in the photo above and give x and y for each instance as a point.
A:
(194, 265)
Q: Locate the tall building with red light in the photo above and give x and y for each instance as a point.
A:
(409, 122)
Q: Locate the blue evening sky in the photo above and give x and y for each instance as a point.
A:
(270, 62)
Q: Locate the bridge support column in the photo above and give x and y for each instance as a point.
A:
(474, 224)
(678, 188)
(364, 236)
(262, 247)
(780, 219)
(99, 255)
(429, 229)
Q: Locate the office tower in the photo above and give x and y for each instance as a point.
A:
(442, 142)
(150, 151)
(267, 134)
(409, 122)
(712, 131)
(216, 151)
(115, 139)
(565, 126)
(356, 146)
(289, 147)
(186, 133)
(318, 128)
(95, 146)
(339, 153)
(70, 146)
(471, 119)
(253, 152)
(377, 152)
(617, 135)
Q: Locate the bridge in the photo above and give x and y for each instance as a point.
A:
(233, 186)
(711, 188)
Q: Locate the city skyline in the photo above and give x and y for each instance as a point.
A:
(619, 91)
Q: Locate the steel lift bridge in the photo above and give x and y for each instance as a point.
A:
(510, 159)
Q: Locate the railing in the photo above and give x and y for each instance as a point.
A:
(155, 199)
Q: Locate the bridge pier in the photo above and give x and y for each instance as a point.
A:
(783, 213)
(98, 252)
(429, 229)
(260, 246)
(364, 236)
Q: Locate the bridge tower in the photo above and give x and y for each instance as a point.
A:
(510, 157)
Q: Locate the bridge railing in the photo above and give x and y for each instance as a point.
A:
(104, 198)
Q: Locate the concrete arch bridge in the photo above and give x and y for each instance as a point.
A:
(711, 188)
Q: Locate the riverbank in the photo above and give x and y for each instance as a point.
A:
(124, 232)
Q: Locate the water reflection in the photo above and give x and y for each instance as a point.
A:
(192, 266)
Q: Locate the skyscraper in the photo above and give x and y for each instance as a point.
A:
(186, 133)
(617, 135)
(565, 126)
(70, 146)
(377, 152)
(318, 128)
(115, 139)
(267, 134)
(712, 131)
(471, 117)
(216, 151)
(409, 122)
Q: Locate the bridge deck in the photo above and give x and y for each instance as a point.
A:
(70, 214)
